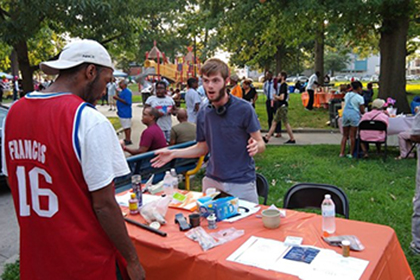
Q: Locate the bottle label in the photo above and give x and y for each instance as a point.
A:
(328, 213)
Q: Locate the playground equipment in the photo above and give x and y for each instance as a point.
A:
(184, 67)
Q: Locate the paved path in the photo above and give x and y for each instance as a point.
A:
(9, 230)
(303, 137)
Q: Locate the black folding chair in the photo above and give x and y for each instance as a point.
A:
(372, 125)
(309, 195)
(262, 187)
(413, 146)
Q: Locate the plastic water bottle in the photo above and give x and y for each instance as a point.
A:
(168, 187)
(174, 179)
(328, 215)
(136, 185)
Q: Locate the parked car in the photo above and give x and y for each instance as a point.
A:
(3, 113)
(338, 79)
(412, 78)
(291, 79)
(302, 79)
(366, 78)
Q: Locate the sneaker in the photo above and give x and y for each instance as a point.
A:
(278, 135)
(349, 156)
(414, 249)
(341, 155)
(290, 142)
(127, 142)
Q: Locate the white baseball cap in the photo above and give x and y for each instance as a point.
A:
(76, 53)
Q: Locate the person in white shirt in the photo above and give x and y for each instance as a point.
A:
(112, 90)
(192, 100)
(165, 105)
(310, 88)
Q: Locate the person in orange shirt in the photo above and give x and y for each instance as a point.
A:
(236, 88)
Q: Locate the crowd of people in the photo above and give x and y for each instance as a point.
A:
(80, 156)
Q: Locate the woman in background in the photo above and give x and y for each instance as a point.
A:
(352, 112)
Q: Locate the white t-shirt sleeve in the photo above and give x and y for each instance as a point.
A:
(197, 98)
(102, 158)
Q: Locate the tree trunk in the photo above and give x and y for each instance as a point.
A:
(319, 52)
(14, 63)
(279, 61)
(21, 49)
(393, 52)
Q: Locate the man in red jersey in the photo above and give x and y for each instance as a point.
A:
(61, 178)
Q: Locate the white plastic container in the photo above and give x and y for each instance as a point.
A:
(328, 215)
(168, 187)
(174, 179)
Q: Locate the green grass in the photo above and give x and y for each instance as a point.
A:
(298, 116)
(115, 122)
(11, 271)
(379, 192)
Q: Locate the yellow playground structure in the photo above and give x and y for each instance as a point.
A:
(178, 72)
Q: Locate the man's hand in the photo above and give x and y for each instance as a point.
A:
(252, 147)
(135, 271)
(163, 156)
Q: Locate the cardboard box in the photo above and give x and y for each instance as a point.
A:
(224, 207)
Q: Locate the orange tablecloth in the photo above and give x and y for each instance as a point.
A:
(177, 257)
(321, 98)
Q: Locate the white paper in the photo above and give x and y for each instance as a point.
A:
(290, 266)
(259, 252)
(293, 240)
(328, 265)
(253, 208)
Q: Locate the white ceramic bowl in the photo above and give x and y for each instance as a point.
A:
(271, 218)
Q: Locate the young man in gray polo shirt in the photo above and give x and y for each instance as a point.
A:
(229, 129)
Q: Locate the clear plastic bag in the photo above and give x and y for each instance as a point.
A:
(208, 241)
(156, 210)
(355, 243)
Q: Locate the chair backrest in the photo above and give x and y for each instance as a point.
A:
(262, 187)
(372, 125)
(309, 195)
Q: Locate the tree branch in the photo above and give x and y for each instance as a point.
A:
(3, 13)
(111, 39)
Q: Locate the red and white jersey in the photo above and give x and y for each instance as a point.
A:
(60, 236)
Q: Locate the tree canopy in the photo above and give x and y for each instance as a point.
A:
(276, 35)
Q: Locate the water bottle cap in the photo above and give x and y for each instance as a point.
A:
(328, 196)
(133, 195)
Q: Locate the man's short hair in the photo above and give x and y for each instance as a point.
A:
(76, 69)
(283, 74)
(153, 112)
(191, 81)
(356, 85)
(215, 66)
(160, 83)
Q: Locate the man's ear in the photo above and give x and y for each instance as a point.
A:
(91, 71)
